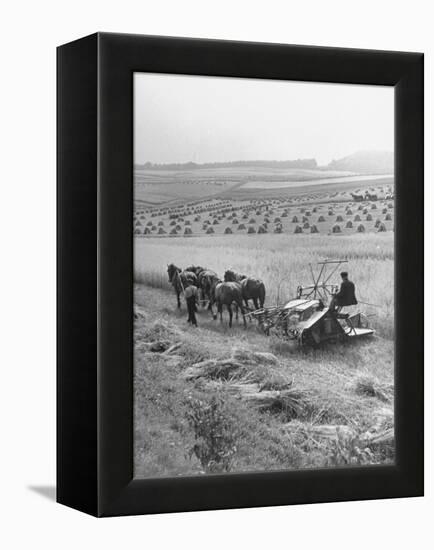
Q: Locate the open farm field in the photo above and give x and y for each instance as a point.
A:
(327, 179)
(325, 189)
(177, 192)
(155, 187)
(326, 210)
(233, 173)
(321, 404)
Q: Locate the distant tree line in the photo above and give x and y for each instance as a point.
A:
(299, 163)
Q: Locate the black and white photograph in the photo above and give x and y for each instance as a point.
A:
(215, 218)
(263, 221)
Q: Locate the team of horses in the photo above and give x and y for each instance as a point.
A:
(235, 289)
(366, 197)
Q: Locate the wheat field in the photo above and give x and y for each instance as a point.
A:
(282, 262)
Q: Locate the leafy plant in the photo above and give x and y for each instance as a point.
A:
(345, 451)
(215, 433)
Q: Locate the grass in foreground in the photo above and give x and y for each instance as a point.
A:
(321, 404)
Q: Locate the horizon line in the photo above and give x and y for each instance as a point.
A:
(282, 161)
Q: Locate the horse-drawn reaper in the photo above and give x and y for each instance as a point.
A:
(315, 315)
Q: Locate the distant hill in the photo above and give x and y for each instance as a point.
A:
(308, 164)
(364, 162)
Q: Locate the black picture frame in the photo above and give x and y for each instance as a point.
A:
(95, 273)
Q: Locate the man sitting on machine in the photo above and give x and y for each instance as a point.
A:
(346, 295)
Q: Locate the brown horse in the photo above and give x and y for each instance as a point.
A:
(251, 288)
(227, 293)
(207, 280)
(196, 269)
(180, 279)
(232, 276)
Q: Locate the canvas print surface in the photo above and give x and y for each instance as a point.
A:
(263, 226)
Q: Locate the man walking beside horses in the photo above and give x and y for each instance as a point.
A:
(191, 294)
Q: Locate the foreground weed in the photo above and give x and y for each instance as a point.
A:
(215, 433)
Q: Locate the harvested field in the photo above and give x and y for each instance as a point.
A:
(282, 409)
(288, 210)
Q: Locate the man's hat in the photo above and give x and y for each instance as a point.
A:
(344, 274)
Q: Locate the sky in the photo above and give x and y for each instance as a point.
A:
(180, 118)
